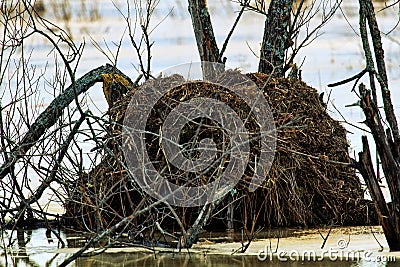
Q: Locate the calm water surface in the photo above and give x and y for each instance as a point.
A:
(32, 248)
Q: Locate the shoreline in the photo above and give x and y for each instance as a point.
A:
(296, 246)
(343, 244)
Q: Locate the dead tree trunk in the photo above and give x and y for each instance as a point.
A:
(276, 38)
(367, 12)
(387, 141)
(205, 39)
(389, 218)
(203, 31)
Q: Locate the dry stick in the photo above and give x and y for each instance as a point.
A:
(163, 232)
(48, 117)
(346, 121)
(58, 49)
(250, 236)
(257, 9)
(132, 39)
(317, 158)
(296, 17)
(355, 77)
(326, 237)
(16, 185)
(96, 239)
(389, 164)
(148, 49)
(109, 231)
(367, 50)
(366, 170)
(292, 33)
(376, 239)
(202, 219)
(46, 183)
(277, 245)
(382, 76)
(230, 34)
(389, 221)
(311, 34)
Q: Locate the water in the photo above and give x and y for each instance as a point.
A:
(196, 260)
(335, 55)
(32, 248)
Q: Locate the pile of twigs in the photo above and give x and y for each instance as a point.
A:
(310, 182)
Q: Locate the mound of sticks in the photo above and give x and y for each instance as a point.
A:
(310, 182)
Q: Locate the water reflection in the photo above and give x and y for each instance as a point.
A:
(39, 248)
(139, 260)
(30, 248)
